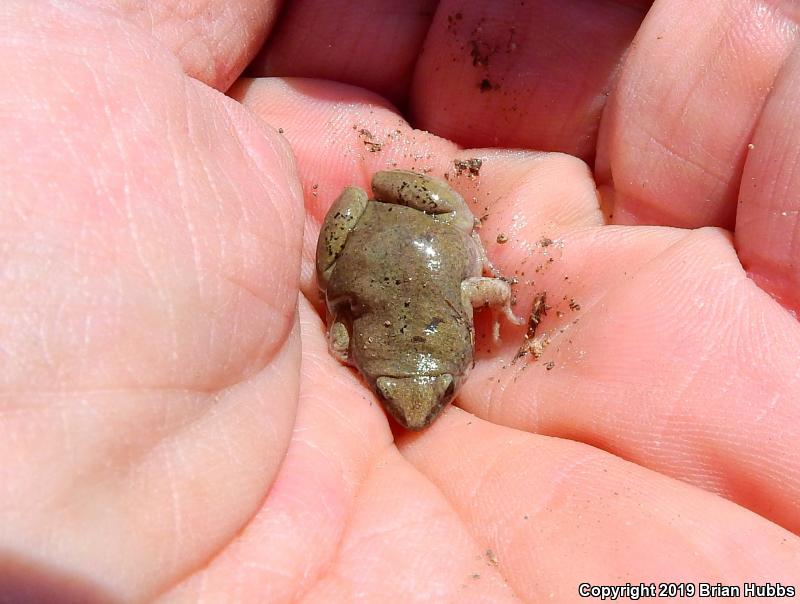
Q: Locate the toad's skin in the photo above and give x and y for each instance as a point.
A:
(401, 274)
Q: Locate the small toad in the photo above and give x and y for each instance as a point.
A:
(401, 274)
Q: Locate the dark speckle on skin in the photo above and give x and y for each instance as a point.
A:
(431, 327)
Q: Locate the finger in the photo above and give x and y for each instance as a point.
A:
(347, 518)
(213, 40)
(556, 513)
(521, 74)
(672, 147)
(342, 135)
(374, 46)
(767, 223)
(484, 73)
(150, 355)
(657, 347)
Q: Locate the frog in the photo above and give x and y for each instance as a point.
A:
(401, 274)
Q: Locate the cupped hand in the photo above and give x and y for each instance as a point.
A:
(172, 424)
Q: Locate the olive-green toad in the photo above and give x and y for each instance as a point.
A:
(401, 274)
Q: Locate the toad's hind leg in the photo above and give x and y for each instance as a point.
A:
(339, 221)
(423, 193)
(494, 293)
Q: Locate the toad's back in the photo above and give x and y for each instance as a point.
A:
(398, 280)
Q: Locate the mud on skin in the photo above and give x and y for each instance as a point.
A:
(401, 274)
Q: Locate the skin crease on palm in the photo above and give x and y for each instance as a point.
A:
(172, 427)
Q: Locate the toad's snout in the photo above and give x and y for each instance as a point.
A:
(415, 401)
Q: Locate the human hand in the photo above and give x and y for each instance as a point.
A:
(154, 384)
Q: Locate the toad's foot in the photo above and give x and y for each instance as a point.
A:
(488, 291)
(423, 193)
(339, 342)
(340, 220)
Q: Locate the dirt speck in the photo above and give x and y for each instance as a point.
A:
(480, 52)
(533, 345)
(372, 144)
(472, 166)
(453, 21)
(538, 310)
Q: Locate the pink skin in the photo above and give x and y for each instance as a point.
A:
(171, 423)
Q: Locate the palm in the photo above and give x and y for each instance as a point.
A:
(229, 467)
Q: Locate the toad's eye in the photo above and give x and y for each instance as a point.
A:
(356, 308)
